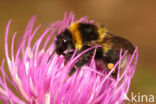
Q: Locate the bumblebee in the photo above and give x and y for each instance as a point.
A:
(81, 36)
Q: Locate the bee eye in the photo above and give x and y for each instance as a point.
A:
(64, 43)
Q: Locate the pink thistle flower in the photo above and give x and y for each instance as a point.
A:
(39, 81)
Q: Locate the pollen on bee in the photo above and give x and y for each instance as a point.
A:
(110, 66)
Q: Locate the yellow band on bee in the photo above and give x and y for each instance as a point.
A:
(102, 32)
(76, 36)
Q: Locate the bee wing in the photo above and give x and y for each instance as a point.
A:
(92, 43)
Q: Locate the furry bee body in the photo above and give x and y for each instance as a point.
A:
(82, 36)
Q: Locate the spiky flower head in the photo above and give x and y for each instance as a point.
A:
(36, 79)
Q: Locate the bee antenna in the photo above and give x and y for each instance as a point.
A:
(45, 23)
(49, 26)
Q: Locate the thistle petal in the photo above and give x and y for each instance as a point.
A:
(40, 80)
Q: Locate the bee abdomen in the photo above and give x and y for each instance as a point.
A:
(111, 56)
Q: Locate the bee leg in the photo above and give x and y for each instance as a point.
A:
(72, 71)
(110, 58)
(79, 64)
(110, 66)
(82, 61)
(114, 75)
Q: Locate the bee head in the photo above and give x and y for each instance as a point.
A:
(64, 43)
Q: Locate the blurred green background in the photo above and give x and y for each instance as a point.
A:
(132, 19)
